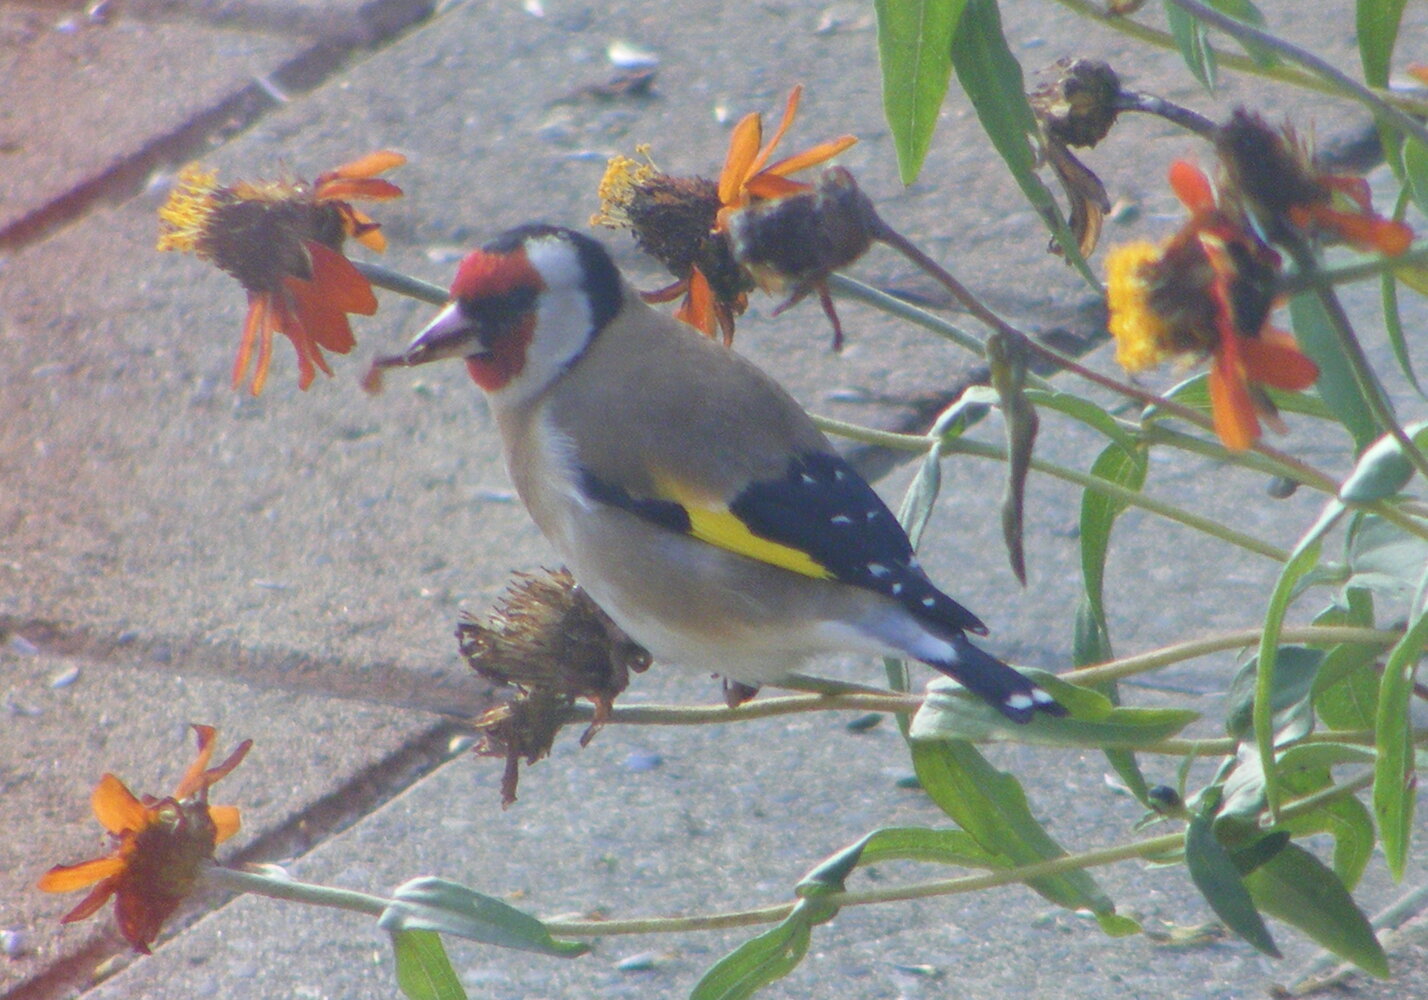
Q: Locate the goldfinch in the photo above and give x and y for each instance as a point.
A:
(688, 493)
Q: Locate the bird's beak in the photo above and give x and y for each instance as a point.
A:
(451, 334)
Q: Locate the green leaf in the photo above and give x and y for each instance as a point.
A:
(1393, 326)
(763, 959)
(915, 51)
(1395, 781)
(992, 79)
(1301, 561)
(423, 970)
(1194, 44)
(1086, 412)
(1377, 23)
(1337, 386)
(1294, 673)
(1383, 470)
(950, 712)
(1385, 559)
(1305, 770)
(1294, 886)
(991, 806)
(1216, 875)
(1415, 169)
(1098, 515)
(1007, 360)
(917, 843)
(435, 904)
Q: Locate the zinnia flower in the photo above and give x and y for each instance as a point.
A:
(1208, 290)
(283, 241)
(159, 846)
(1274, 175)
(683, 222)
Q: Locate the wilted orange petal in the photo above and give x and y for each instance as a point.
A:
(368, 233)
(226, 821)
(234, 759)
(117, 808)
(67, 878)
(1281, 365)
(366, 166)
(291, 325)
(767, 185)
(252, 323)
(698, 307)
(1191, 186)
(365, 188)
(272, 323)
(743, 147)
(1235, 422)
(1367, 232)
(338, 283)
(93, 903)
(811, 156)
(140, 914)
(192, 779)
(668, 293)
(790, 111)
(324, 326)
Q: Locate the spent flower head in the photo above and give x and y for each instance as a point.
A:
(283, 241)
(1207, 291)
(158, 846)
(1273, 175)
(683, 221)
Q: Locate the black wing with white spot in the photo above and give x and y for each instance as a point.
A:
(823, 507)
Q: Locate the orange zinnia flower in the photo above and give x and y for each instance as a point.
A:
(662, 210)
(283, 242)
(159, 845)
(1207, 291)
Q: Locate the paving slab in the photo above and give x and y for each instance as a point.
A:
(298, 555)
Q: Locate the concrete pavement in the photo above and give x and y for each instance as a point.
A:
(290, 568)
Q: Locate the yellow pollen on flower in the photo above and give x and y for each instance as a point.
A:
(1143, 339)
(188, 208)
(624, 176)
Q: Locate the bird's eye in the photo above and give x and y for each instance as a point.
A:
(502, 311)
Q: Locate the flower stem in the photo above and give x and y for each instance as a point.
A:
(282, 887)
(402, 284)
(1342, 83)
(1297, 281)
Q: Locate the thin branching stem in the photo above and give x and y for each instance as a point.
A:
(1343, 84)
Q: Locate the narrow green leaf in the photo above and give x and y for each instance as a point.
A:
(949, 712)
(423, 970)
(1305, 770)
(1376, 23)
(1216, 875)
(1295, 887)
(1243, 10)
(1194, 45)
(435, 904)
(1294, 673)
(1337, 386)
(1346, 687)
(1098, 516)
(915, 52)
(760, 960)
(1301, 561)
(991, 806)
(1007, 360)
(917, 843)
(1415, 170)
(1087, 412)
(1395, 779)
(1393, 326)
(1382, 470)
(1384, 559)
(992, 79)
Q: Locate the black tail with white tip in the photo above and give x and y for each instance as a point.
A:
(989, 678)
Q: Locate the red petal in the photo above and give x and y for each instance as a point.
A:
(339, 283)
(698, 307)
(67, 878)
(117, 808)
(252, 324)
(1191, 186)
(1275, 363)
(790, 111)
(743, 147)
(1235, 421)
(93, 903)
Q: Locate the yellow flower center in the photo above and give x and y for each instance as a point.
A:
(1143, 338)
(624, 176)
(188, 208)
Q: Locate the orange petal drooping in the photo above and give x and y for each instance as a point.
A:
(1191, 186)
